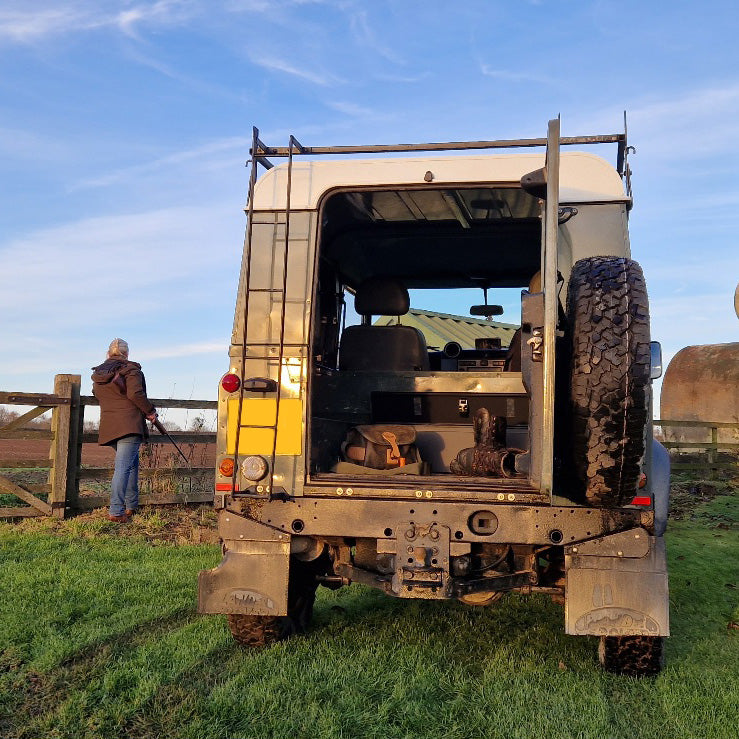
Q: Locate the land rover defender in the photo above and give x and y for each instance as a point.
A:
(357, 446)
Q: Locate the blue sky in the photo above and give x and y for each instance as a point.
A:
(124, 127)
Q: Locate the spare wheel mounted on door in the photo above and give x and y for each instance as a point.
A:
(609, 317)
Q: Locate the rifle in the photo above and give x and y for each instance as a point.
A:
(159, 426)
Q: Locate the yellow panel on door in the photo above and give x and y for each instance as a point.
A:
(261, 412)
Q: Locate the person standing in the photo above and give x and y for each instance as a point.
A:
(120, 387)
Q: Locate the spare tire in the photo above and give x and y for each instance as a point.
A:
(608, 314)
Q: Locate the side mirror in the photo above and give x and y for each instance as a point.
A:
(655, 360)
(486, 310)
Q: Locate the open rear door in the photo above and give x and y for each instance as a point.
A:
(549, 286)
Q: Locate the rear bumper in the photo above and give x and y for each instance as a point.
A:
(253, 576)
(356, 517)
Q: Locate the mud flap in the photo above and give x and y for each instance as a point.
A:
(253, 575)
(617, 586)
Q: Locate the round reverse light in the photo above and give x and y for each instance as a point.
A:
(230, 382)
(254, 468)
(226, 467)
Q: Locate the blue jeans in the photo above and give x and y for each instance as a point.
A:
(124, 492)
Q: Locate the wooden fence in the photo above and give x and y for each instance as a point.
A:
(65, 455)
(67, 436)
(710, 448)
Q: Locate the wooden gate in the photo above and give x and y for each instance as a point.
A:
(64, 452)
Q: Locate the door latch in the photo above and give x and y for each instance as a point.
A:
(536, 343)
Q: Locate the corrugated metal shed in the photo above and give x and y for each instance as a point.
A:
(441, 328)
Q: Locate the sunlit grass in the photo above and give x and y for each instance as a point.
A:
(98, 638)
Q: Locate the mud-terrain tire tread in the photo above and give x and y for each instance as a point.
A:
(635, 656)
(260, 631)
(255, 631)
(608, 312)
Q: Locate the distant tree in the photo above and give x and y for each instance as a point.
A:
(197, 424)
(7, 416)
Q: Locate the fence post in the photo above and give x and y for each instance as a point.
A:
(73, 497)
(713, 453)
(64, 452)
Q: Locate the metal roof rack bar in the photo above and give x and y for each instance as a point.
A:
(283, 151)
(261, 149)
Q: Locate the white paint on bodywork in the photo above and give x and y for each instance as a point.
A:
(584, 178)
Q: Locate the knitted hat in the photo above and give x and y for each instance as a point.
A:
(118, 348)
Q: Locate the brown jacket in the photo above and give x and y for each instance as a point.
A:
(120, 387)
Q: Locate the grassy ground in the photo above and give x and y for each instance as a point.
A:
(98, 638)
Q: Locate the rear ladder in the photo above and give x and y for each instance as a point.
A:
(258, 156)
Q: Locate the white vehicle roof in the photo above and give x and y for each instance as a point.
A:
(584, 178)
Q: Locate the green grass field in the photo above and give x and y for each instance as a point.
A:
(98, 638)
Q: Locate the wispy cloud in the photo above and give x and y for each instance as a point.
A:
(688, 125)
(149, 276)
(273, 63)
(159, 66)
(357, 111)
(148, 60)
(394, 77)
(701, 122)
(204, 152)
(365, 35)
(505, 74)
(92, 270)
(262, 6)
(161, 12)
(24, 26)
(21, 25)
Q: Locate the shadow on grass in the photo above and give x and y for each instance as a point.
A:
(530, 625)
(34, 694)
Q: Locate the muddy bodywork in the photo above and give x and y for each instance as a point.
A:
(420, 544)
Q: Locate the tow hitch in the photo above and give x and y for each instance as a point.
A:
(422, 561)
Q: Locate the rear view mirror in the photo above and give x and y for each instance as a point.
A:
(486, 310)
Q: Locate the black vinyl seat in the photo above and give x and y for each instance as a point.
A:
(382, 348)
(513, 357)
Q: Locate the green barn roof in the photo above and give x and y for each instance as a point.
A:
(441, 328)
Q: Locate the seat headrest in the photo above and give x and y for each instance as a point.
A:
(382, 296)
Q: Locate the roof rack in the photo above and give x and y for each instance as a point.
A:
(262, 151)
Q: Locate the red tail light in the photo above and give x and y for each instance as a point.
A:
(642, 500)
(230, 383)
